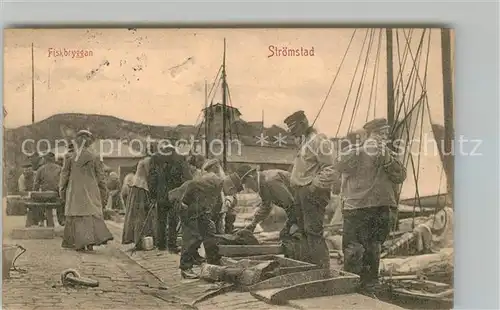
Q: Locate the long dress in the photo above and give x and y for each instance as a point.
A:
(82, 186)
(139, 216)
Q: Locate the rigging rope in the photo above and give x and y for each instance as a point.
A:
(425, 99)
(335, 77)
(402, 65)
(359, 93)
(231, 105)
(408, 133)
(352, 83)
(374, 79)
(216, 79)
(412, 72)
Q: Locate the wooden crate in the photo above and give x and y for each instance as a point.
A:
(249, 250)
(286, 265)
(307, 284)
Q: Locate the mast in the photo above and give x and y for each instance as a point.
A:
(390, 78)
(449, 131)
(224, 104)
(32, 85)
(205, 121)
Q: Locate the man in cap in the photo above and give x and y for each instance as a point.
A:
(168, 170)
(369, 174)
(25, 184)
(196, 162)
(312, 177)
(273, 187)
(224, 207)
(47, 179)
(198, 198)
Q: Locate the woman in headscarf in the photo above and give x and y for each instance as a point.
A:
(139, 216)
(83, 188)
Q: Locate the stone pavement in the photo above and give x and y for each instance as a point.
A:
(123, 283)
(185, 292)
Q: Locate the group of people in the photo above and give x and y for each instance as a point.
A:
(155, 198)
(366, 174)
(81, 181)
(42, 174)
(166, 188)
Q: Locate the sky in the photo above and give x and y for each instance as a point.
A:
(157, 76)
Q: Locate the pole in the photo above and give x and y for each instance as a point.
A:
(390, 78)
(449, 131)
(205, 116)
(32, 85)
(262, 127)
(224, 93)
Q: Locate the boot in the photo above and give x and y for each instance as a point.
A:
(198, 259)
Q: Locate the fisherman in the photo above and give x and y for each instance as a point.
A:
(26, 179)
(312, 178)
(273, 187)
(169, 170)
(25, 184)
(369, 172)
(47, 179)
(223, 213)
(198, 198)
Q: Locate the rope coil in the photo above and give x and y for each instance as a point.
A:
(71, 277)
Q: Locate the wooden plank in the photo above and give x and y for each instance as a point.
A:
(341, 302)
(249, 250)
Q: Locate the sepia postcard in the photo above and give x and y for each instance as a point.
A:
(272, 168)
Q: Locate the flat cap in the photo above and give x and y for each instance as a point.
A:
(294, 118)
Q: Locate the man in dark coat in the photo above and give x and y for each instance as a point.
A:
(168, 171)
(47, 179)
(198, 198)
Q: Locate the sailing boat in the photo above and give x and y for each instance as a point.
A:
(210, 119)
(429, 170)
(408, 112)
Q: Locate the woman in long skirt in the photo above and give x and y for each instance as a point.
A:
(139, 217)
(82, 186)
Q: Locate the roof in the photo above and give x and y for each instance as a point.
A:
(233, 109)
(109, 148)
(254, 154)
(256, 123)
(261, 154)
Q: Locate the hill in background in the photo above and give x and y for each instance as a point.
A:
(106, 127)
